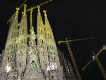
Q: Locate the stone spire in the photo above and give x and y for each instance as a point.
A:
(21, 53)
(23, 27)
(30, 56)
(40, 29)
(8, 54)
(33, 70)
(55, 70)
(43, 55)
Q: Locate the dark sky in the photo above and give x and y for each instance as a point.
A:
(74, 19)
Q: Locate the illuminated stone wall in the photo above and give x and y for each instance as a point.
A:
(31, 56)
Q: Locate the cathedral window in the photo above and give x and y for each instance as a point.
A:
(47, 47)
(36, 41)
(52, 77)
(54, 58)
(32, 62)
(42, 41)
(20, 64)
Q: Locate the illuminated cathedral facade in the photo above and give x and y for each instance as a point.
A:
(29, 55)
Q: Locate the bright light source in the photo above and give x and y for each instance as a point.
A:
(19, 79)
(93, 57)
(52, 66)
(48, 68)
(104, 47)
(8, 68)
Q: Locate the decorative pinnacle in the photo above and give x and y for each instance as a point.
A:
(17, 10)
(45, 12)
(25, 5)
(25, 8)
(38, 8)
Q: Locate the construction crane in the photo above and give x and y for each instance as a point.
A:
(102, 49)
(71, 54)
(9, 20)
(32, 7)
(99, 64)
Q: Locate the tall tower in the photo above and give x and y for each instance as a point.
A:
(22, 46)
(54, 68)
(8, 61)
(31, 56)
(41, 45)
(33, 69)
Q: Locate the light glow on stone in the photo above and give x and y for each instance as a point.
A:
(52, 66)
(8, 68)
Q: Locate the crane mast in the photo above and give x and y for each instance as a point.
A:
(98, 62)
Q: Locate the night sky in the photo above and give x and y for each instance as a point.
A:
(74, 19)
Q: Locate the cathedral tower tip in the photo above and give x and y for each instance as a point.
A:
(17, 10)
(44, 11)
(25, 8)
(38, 8)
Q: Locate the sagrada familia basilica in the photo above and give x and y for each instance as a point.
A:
(29, 55)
